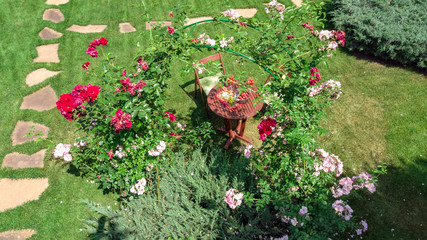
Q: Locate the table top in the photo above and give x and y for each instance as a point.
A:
(246, 110)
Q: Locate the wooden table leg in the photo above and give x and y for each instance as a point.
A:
(231, 133)
(242, 127)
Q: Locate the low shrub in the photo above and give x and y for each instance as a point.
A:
(394, 30)
(188, 203)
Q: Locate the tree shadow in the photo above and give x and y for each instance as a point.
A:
(386, 62)
(398, 208)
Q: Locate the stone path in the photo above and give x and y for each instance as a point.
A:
(246, 12)
(22, 129)
(56, 2)
(48, 33)
(16, 160)
(151, 24)
(87, 29)
(298, 3)
(47, 53)
(39, 75)
(126, 27)
(53, 15)
(16, 192)
(42, 100)
(17, 235)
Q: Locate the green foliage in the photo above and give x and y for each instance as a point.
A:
(389, 29)
(129, 147)
(189, 203)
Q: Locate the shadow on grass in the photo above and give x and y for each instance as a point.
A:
(400, 202)
(386, 62)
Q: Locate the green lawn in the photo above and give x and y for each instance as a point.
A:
(380, 118)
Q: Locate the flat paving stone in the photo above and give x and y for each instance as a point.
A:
(56, 2)
(39, 75)
(126, 27)
(47, 53)
(15, 192)
(17, 160)
(49, 33)
(298, 3)
(17, 234)
(42, 100)
(53, 15)
(22, 128)
(246, 12)
(87, 29)
(197, 19)
(150, 25)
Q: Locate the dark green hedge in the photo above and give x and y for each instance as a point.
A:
(390, 29)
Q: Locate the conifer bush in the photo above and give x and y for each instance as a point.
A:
(393, 30)
(188, 203)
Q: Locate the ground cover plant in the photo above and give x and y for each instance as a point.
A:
(382, 28)
(60, 218)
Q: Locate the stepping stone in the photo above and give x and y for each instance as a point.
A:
(48, 33)
(87, 29)
(126, 27)
(23, 128)
(56, 2)
(16, 160)
(246, 12)
(198, 19)
(15, 192)
(298, 3)
(53, 15)
(42, 100)
(17, 234)
(39, 75)
(151, 24)
(47, 53)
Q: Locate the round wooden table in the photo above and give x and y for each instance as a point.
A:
(240, 114)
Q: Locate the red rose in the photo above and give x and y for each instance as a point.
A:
(265, 128)
(170, 14)
(92, 52)
(92, 92)
(86, 65)
(171, 30)
(171, 116)
(94, 43)
(313, 70)
(103, 41)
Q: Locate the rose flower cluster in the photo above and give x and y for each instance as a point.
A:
(121, 121)
(71, 103)
(265, 128)
(129, 86)
(95, 43)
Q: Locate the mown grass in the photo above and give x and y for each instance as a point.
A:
(380, 117)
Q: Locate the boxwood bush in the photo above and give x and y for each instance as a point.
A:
(390, 29)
